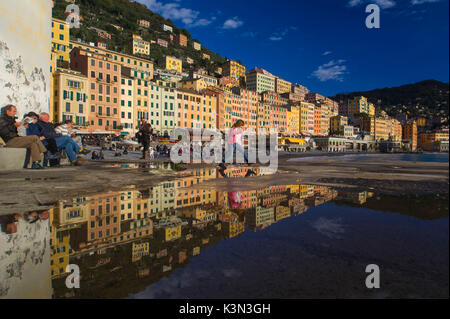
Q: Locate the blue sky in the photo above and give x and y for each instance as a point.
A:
(323, 44)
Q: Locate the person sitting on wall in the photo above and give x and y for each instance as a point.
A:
(9, 133)
(53, 155)
(63, 142)
(66, 129)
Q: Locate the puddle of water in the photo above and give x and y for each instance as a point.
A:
(152, 243)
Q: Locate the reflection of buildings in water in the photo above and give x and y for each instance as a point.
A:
(355, 197)
(282, 212)
(162, 199)
(187, 196)
(152, 255)
(260, 217)
(232, 225)
(139, 250)
(198, 215)
(104, 219)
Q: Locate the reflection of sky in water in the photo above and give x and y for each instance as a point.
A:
(436, 157)
(322, 253)
(283, 241)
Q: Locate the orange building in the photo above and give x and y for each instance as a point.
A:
(273, 98)
(104, 217)
(278, 118)
(410, 133)
(249, 107)
(196, 110)
(104, 77)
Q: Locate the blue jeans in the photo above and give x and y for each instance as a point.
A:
(71, 148)
(235, 149)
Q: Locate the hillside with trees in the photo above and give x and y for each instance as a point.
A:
(428, 98)
(113, 15)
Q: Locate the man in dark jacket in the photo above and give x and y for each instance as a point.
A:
(63, 142)
(8, 132)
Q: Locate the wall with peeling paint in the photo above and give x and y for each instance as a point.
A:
(25, 44)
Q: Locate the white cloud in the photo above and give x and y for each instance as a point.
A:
(414, 2)
(174, 11)
(275, 38)
(384, 4)
(232, 23)
(332, 228)
(333, 70)
(327, 53)
(278, 36)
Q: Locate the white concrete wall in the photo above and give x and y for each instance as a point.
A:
(25, 44)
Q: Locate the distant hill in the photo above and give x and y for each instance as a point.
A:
(427, 98)
(106, 14)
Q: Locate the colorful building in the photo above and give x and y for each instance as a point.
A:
(140, 46)
(163, 106)
(260, 80)
(104, 88)
(282, 86)
(273, 98)
(197, 46)
(427, 141)
(60, 41)
(234, 69)
(127, 105)
(359, 105)
(70, 97)
(143, 23)
(337, 123)
(172, 63)
(293, 120)
(181, 39)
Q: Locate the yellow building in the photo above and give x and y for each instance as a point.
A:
(140, 46)
(60, 40)
(127, 204)
(172, 63)
(337, 122)
(70, 97)
(234, 228)
(371, 109)
(193, 84)
(305, 117)
(60, 249)
(426, 140)
(381, 129)
(282, 86)
(359, 104)
(293, 120)
(233, 69)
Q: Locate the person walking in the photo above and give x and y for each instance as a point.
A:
(235, 142)
(145, 139)
(9, 133)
